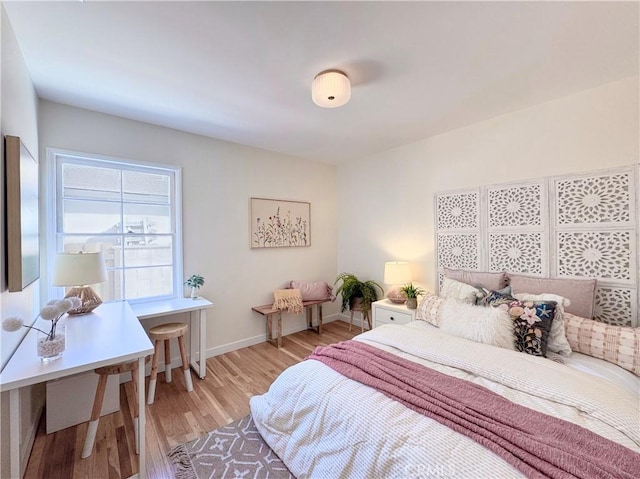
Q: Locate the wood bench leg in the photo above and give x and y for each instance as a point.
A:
(270, 328)
(277, 341)
(309, 310)
(279, 330)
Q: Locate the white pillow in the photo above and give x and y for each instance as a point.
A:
(458, 291)
(557, 341)
(476, 323)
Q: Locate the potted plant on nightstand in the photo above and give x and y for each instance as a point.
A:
(412, 293)
(355, 293)
(194, 282)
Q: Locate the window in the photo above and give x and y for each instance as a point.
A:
(129, 211)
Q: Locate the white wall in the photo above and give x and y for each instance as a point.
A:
(386, 200)
(218, 179)
(18, 117)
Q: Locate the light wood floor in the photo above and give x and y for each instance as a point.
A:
(176, 416)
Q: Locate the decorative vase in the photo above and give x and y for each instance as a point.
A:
(52, 349)
(412, 303)
(194, 292)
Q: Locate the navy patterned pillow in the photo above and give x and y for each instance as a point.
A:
(531, 321)
(494, 298)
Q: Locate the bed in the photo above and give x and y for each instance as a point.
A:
(560, 253)
(323, 424)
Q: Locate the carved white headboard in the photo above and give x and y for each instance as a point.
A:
(576, 226)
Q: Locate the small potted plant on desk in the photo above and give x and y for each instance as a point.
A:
(412, 293)
(194, 282)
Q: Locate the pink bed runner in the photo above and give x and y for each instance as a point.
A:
(536, 444)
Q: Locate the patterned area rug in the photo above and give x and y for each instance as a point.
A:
(235, 451)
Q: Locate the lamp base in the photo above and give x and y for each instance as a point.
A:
(395, 295)
(90, 299)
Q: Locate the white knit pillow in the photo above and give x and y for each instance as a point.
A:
(476, 323)
(452, 289)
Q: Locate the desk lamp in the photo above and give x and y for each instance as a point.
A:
(396, 273)
(79, 270)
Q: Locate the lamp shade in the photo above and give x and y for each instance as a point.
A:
(397, 272)
(78, 269)
(331, 89)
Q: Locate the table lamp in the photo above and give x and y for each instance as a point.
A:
(396, 273)
(80, 270)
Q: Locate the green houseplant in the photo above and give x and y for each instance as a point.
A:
(353, 289)
(194, 282)
(412, 293)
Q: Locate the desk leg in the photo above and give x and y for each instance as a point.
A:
(14, 431)
(197, 346)
(142, 465)
(203, 343)
(193, 343)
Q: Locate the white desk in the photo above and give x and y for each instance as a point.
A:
(111, 334)
(198, 335)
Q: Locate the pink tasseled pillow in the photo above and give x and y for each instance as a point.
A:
(313, 290)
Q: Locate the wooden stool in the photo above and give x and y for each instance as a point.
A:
(104, 373)
(364, 315)
(158, 334)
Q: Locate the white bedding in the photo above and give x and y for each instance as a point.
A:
(582, 362)
(323, 425)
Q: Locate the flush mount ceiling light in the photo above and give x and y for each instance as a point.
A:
(331, 89)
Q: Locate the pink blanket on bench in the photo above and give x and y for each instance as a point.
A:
(536, 444)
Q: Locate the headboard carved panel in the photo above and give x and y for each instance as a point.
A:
(572, 226)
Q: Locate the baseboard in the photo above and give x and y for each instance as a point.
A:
(243, 343)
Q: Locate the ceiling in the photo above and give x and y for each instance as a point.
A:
(242, 71)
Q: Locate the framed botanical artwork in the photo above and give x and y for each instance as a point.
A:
(23, 252)
(280, 223)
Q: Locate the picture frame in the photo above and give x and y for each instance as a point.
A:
(22, 190)
(279, 223)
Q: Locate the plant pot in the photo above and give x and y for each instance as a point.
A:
(412, 303)
(355, 304)
(194, 293)
(52, 349)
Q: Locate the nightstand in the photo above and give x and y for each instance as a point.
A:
(386, 312)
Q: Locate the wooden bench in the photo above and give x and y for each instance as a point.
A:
(268, 311)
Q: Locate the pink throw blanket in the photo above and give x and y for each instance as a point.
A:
(536, 444)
